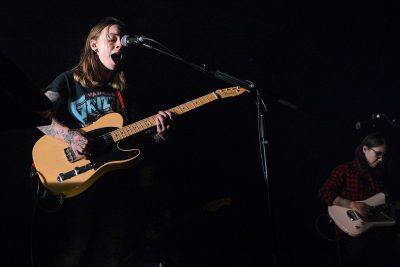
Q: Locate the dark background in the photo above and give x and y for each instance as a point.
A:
(337, 63)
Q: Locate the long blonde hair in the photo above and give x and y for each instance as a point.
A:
(87, 71)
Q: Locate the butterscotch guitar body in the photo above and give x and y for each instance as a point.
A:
(63, 177)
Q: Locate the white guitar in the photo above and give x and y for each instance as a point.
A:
(354, 224)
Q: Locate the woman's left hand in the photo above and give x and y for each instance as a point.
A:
(163, 122)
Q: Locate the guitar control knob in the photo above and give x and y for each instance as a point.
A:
(60, 177)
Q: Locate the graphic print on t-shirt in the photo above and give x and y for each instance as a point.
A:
(89, 107)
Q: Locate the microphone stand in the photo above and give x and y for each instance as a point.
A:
(217, 74)
(261, 108)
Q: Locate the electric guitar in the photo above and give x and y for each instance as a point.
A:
(65, 176)
(352, 223)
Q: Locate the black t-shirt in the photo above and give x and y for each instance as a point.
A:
(80, 106)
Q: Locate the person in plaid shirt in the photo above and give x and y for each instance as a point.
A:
(354, 181)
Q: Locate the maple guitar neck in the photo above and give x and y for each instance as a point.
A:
(146, 123)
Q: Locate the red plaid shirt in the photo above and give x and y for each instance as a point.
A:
(350, 182)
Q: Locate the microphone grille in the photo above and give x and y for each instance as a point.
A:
(124, 40)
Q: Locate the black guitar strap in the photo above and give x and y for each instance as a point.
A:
(41, 193)
(40, 190)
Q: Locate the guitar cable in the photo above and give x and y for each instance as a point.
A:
(36, 189)
(336, 240)
(317, 220)
(35, 195)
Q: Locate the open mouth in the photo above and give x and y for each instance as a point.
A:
(116, 58)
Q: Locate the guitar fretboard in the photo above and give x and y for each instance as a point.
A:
(149, 122)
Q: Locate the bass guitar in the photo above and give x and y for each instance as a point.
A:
(65, 176)
(352, 223)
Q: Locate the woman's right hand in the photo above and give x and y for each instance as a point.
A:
(363, 209)
(78, 143)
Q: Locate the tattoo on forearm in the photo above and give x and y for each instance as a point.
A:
(69, 137)
(55, 129)
(344, 202)
(53, 96)
(49, 129)
(340, 201)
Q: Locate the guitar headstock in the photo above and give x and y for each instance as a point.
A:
(231, 91)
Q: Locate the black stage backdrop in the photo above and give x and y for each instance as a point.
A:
(337, 64)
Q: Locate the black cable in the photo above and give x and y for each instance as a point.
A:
(35, 196)
(336, 240)
(319, 231)
(38, 193)
(163, 46)
(166, 51)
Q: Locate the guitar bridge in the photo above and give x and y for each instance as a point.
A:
(69, 153)
(352, 215)
(78, 170)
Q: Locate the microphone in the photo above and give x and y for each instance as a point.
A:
(127, 40)
(368, 123)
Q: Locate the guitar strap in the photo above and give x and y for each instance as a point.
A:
(41, 191)
(41, 194)
(121, 100)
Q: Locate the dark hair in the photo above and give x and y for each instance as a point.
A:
(87, 70)
(372, 140)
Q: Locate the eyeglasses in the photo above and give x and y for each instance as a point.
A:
(377, 153)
